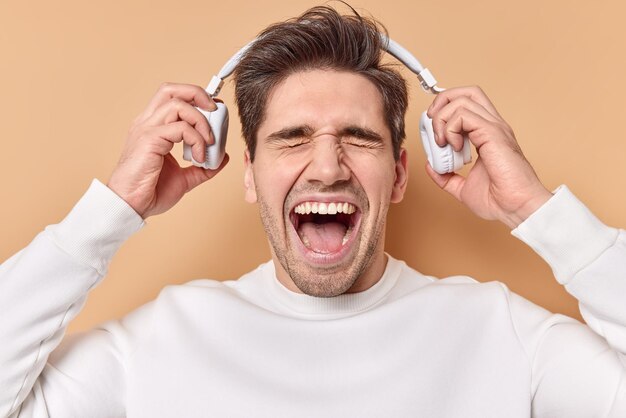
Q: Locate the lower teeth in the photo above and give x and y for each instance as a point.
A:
(345, 237)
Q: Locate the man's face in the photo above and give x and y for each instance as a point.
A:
(324, 175)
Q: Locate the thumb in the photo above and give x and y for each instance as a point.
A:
(195, 176)
(450, 182)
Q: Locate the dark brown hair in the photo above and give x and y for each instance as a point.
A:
(321, 38)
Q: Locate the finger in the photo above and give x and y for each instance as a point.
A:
(163, 138)
(473, 92)
(441, 117)
(195, 176)
(190, 93)
(177, 110)
(450, 182)
(463, 123)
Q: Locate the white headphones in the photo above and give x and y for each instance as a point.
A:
(442, 159)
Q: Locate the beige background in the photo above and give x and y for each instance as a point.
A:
(73, 74)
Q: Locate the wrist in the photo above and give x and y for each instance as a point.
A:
(128, 195)
(530, 206)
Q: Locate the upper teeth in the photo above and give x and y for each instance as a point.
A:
(325, 208)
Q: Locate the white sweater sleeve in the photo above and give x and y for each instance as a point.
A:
(577, 373)
(42, 288)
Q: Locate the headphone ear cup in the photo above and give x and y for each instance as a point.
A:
(218, 122)
(442, 159)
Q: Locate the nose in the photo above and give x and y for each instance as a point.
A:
(327, 164)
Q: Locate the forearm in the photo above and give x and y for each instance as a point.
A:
(576, 372)
(45, 285)
(587, 257)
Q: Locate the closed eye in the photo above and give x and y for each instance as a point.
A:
(361, 142)
(290, 143)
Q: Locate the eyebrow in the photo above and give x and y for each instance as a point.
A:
(299, 131)
(362, 133)
(291, 132)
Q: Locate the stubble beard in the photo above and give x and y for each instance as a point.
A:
(319, 282)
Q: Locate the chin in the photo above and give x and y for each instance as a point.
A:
(324, 286)
(329, 280)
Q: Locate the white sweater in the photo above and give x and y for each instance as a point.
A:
(410, 346)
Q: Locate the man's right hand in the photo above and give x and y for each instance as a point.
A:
(147, 176)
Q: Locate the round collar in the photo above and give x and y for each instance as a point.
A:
(343, 305)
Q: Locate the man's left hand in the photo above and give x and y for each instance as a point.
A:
(501, 184)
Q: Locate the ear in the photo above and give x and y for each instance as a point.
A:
(248, 179)
(402, 177)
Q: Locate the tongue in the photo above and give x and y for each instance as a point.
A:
(322, 238)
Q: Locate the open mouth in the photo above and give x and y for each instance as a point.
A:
(324, 227)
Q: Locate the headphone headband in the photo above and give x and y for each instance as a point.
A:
(427, 80)
(442, 160)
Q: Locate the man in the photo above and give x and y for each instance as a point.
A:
(332, 326)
